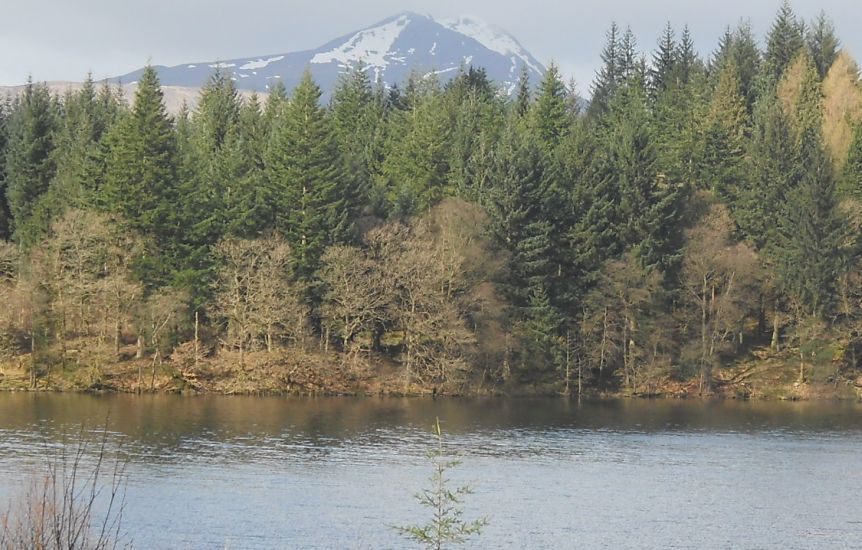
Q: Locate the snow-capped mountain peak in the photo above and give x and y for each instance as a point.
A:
(391, 50)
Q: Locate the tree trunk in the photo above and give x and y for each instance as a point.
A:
(776, 331)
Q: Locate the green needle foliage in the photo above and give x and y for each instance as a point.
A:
(447, 527)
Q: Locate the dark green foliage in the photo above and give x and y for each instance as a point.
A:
(418, 140)
(649, 204)
(823, 45)
(551, 115)
(784, 43)
(740, 48)
(852, 180)
(5, 216)
(664, 62)
(307, 181)
(609, 76)
(773, 171)
(356, 116)
(30, 164)
(141, 173)
(812, 235)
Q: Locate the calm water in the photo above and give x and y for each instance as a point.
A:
(222, 472)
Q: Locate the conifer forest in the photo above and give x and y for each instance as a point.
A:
(690, 228)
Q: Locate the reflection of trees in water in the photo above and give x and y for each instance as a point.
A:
(180, 430)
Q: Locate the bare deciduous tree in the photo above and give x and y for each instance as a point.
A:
(256, 295)
(719, 279)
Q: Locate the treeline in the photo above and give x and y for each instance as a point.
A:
(695, 209)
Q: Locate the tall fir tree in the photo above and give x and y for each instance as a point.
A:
(417, 148)
(783, 43)
(306, 175)
(523, 99)
(551, 116)
(773, 172)
(851, 181)
(812, 234)
(823, 44)
(140, 175)
(30, 164)
(5, 217)
(252, 210)
(724, 136)
(664, 62)
(356, 119)
(609, 76)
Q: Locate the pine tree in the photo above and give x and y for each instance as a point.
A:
(724, 136)
(524, 97)
(664, 62)
(812, 232)
(551, 116)
(773, 172)
(852, 177)
(823, 45)
(5, 218)
(686, 56)
(275, 104)
(78, 154)
(609, 76)
(140, 179)
(305, 173)
(649, 204)
(416, 165)
(355, 121)
(521, 208)
(252, 210)
(629, 62)
(30, 164)
(783, 43)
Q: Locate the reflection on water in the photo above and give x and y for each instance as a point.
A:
(333, 472)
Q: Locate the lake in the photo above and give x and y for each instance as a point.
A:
(254, 472)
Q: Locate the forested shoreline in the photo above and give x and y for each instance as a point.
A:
(692, 228)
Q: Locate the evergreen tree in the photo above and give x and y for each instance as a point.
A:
(30, 164)
(140, 179)
(5, 218)
(852, 177)
(686, 56)
(664, 62)
(609, 76)
(78, 155)
(252, 210)
(275, 103)
(524, 97)
(812, 234)
(783, 43)
(773, 173)
(519, 207)
(649, 205)
(355, 120)
(416, 165)
(724, 136)
(551, 116)
(823, 45)
(305, 173)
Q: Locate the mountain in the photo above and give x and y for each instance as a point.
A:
(390, 50)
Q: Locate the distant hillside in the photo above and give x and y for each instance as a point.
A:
(391, 49)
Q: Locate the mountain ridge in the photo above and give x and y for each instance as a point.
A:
(390, 49)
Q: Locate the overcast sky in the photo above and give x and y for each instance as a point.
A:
(64, 39)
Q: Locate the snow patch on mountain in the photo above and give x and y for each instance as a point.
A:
(494, 39)
(261, 63)
(370, 46)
